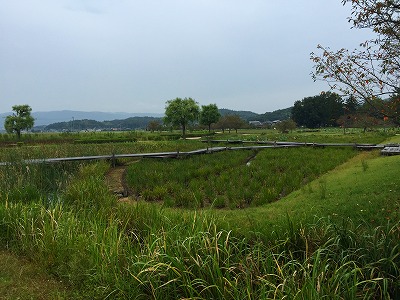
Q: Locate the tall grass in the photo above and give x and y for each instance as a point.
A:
(20, 182)
(143, 252)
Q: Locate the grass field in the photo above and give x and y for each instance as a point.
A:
(234, 179)
(334, 236)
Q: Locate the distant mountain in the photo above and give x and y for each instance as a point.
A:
(85, 124)
(245, 115)
(280, 114)
(49, 117)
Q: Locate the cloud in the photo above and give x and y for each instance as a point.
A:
(135, 55)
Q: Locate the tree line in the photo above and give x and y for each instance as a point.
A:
(330, 109)
(325, 110)
(184, 112)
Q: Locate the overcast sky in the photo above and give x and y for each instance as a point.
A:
(134, 55)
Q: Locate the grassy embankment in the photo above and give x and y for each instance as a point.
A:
(336, 237)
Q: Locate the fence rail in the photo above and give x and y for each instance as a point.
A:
(389, 149)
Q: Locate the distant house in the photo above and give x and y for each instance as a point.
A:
(256, 123)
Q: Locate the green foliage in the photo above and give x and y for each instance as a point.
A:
(209, 114)
(180, 112)
(20, 120)
(318, 111)
(245, 115)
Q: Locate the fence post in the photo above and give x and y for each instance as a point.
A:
(113, 163)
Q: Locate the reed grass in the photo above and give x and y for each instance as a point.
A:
(233, 179)
(143, 252)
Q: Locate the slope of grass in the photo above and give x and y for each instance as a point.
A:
(364, 189)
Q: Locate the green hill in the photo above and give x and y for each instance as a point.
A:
(280, 114)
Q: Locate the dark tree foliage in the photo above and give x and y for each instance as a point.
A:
(318, 111)
(351, 105)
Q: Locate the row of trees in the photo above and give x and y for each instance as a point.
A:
(329, 109)
(182, 112)
(179, 112)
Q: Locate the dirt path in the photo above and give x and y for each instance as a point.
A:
(116, 182)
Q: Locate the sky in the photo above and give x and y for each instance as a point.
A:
(134, 55)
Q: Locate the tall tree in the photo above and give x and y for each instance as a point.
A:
(209, 114)
(318, 111)
(180, 112)
(373, 70)
(20, 120)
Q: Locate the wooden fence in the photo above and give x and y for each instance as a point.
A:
(390, 149)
